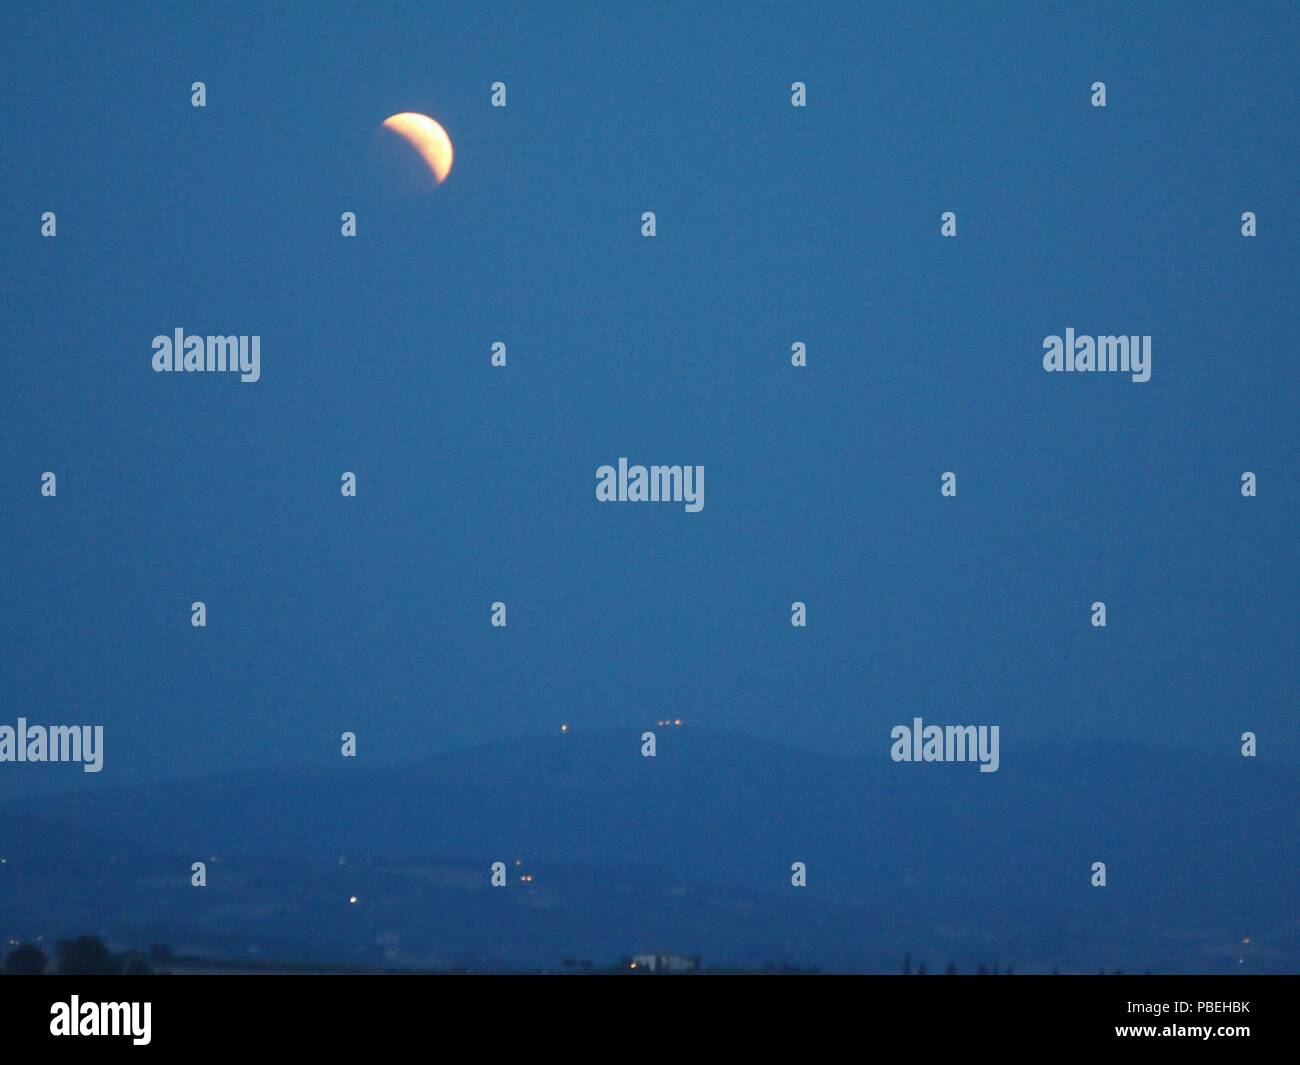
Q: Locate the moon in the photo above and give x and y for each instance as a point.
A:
(426, 137)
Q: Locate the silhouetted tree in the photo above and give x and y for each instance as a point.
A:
(136, 964)
(921, 969)
(907, 964)
(85, 956)
(982, 971)
(26, 959)
(951, 970)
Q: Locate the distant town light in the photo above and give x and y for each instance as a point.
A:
(353, 899)
(564, 727)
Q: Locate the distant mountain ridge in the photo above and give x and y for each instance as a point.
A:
(1190, 842)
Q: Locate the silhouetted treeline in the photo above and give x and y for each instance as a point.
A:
(984, 970)
(82, 956)
(90, 956)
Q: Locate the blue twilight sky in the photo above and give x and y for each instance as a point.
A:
(775, 225)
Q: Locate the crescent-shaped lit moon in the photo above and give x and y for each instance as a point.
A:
(426, 137)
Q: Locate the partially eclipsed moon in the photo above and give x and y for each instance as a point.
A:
(426, 137)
